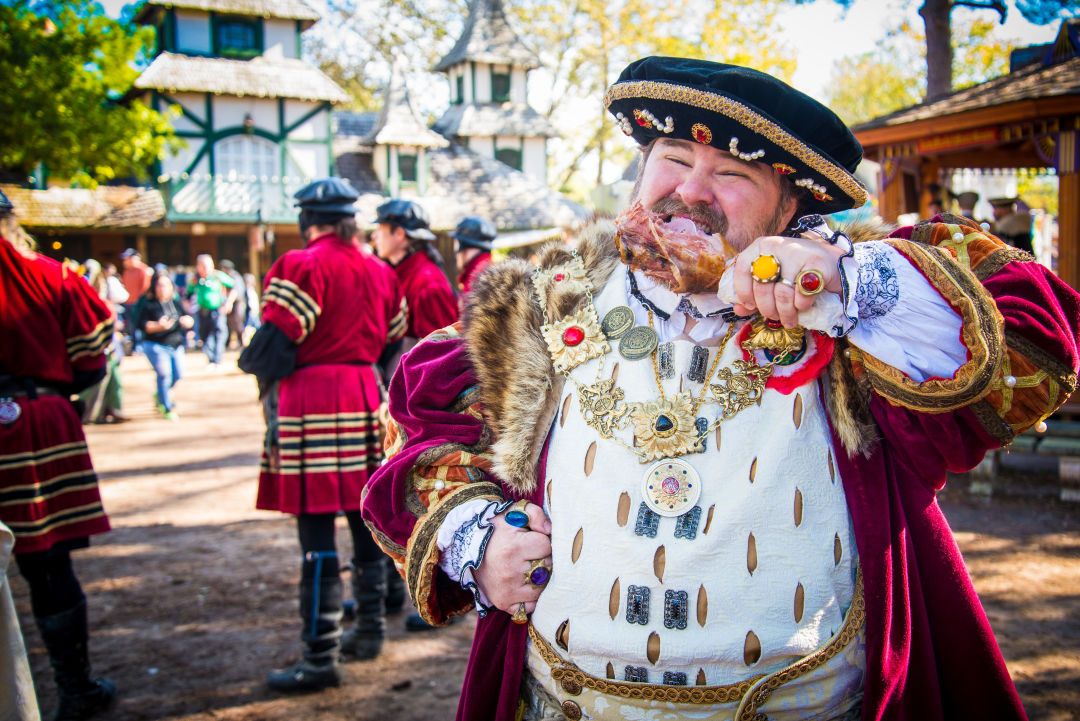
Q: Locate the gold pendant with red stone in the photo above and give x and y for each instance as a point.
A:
(771, 335)
(575, 339)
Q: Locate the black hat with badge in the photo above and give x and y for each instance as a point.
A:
(474, 232)
(748, 113)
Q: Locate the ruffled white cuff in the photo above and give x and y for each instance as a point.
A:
(462, 540)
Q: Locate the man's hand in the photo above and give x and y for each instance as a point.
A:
(779, 300)
(187, 322)
(502, 575)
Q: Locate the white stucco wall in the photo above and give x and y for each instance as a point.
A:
(279, 38)
(308, 160)
(534, 159)
(518, 85)
(193, 32)
(483, 83)
(314, 128)
(482, 146)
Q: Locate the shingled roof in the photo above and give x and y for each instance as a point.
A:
(1035, 82)
(287, 9)
(488, 38)
(398, 123)
(466, 183)
(104, 207)
(494, 119)
(261, 77)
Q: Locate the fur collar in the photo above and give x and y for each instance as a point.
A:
(519, 389)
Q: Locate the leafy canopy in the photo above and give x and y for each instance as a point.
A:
(66, 68)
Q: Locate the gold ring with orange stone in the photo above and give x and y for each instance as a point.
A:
(520, 616)
(810, 282)
(765, 268)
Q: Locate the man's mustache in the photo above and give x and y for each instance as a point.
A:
(703, 214)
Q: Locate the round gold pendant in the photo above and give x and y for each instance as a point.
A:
(671, 487)
(617, 322)
(638, 342)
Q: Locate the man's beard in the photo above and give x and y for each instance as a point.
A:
(685, 256)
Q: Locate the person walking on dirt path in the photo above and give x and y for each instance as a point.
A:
(55, 330)
(215, 293)
(237, 316)
(163, 323)
(329, 312)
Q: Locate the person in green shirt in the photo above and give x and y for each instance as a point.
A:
(215, 292)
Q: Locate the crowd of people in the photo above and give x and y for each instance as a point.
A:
(685, 466)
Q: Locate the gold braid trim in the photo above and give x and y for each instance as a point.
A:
(422, 557)
(752, 691)
(744, 116)
(1060, 372)
(983, 336)
(856, 617)
(91, 344)
(298, 303)
(991, 421)
(999, 259)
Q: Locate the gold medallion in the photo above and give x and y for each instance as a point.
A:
(638, 342)
(671, 487)
(617, 322)
(665, 428)
(739, 388)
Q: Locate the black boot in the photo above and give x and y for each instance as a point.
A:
(320, 609)
(395, 589)
(365, 639)
(65, 638)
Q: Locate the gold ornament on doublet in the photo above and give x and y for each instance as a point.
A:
(602, 406)
(665, 428)
(772, 336)
(575, 339)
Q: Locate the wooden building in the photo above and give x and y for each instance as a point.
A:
(1029, 118)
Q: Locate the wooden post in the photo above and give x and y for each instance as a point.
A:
(1069, 228)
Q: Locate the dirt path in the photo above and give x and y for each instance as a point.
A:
(192, 595)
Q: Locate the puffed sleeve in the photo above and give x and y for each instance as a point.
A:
(438, 458)
(1019, 328)
(87, 323)
(293, 297)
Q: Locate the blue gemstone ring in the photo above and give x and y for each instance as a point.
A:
(516, 516)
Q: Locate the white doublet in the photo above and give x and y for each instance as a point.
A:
(773, 557)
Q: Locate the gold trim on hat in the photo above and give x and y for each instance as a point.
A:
(744, 116)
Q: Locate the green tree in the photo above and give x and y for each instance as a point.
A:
(937, 21)
(584, 44)
(891, 76)
(358, 41)
(67, 68)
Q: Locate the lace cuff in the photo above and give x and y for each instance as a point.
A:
(462, 541)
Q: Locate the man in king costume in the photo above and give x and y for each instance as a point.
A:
(688, 470)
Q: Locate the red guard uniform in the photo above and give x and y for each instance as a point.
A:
(472, 269)
(54, 327)
(431, 301)
(341, 307)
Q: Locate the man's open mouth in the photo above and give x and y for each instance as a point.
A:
(685, 224)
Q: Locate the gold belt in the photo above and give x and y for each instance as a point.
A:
(572, 679)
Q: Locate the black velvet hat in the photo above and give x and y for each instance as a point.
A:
(408, 216)
(747, 113)
(474, 232)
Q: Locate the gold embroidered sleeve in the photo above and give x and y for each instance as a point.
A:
(982, 334)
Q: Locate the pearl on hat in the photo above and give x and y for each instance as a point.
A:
(809, 184)
(984, 225)
(958, 236)
(733, 148)
(1010, 381)
(624, 124)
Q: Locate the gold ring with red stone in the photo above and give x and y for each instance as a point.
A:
(810, 282)
(765, 269)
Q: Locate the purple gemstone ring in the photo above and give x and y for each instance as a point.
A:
(539, 573)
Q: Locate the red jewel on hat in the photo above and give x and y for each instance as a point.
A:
(573, 335)
(810, 282)
(559, 277)
(701, 133)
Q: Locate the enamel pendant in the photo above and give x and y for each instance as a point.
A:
(671, 487)
(9, 411)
